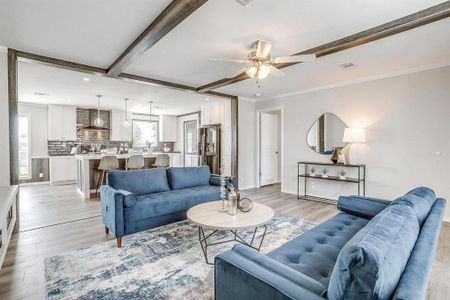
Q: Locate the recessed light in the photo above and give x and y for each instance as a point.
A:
(258, 94)
(41, 94)
(86, 79)
(347, 64)
(207, 99)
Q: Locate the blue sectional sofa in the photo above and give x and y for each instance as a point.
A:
(133, 201)
(373, 249)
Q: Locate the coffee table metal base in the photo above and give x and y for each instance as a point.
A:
(203, 239)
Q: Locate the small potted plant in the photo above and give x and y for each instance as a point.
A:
(342, 173)
(312, 172)
(324, 173)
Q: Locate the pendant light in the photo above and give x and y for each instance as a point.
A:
(98, 121)
(126, 123)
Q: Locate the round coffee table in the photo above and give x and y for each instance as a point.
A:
(208, 216)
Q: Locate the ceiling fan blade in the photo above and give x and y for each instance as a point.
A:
(276, 72)
(263, 48)
(239, 61)
(294, 58)
(238, 73)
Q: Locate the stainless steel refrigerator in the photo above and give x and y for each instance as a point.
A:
(209, 147)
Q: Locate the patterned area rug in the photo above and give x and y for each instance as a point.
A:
(160, 263)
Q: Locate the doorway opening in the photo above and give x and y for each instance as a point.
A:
(270, 147)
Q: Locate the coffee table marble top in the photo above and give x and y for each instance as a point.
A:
(208, 215)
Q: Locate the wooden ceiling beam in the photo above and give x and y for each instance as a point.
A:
(63, 64)
(172, 15)
(423, 17)
(72, 66)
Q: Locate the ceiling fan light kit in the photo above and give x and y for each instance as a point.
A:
(261, 64)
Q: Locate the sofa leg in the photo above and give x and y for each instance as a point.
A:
(106, 230)
(119, 242)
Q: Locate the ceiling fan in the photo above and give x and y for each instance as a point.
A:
(260, 63)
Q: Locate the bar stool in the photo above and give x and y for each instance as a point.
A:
(135, 162)
(162, 161)
(107, 163)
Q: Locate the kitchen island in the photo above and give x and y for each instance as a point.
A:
(87, 168)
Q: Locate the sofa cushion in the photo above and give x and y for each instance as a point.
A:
(314, 253)
(139, 182)
(151, 205)
(185, 177)
(369, 266)
(365, 207)
(420, 199)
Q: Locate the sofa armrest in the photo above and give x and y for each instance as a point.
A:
(365, 207)
(112, 204)
(215, 180)
(243, 273)
(129, 199)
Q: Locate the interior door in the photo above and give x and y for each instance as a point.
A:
(269, 156)
(190, 144)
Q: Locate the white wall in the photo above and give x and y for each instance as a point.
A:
(4, 120)
(247, 141)
(39, 127)
(407, 121)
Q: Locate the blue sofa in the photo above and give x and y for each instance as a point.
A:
(133, 201)
(373, 249)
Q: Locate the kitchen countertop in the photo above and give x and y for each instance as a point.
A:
(89, 156)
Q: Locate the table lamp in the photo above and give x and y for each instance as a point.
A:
(353, 136)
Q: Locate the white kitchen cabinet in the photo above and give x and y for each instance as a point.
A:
(62, 123)
(119, 132)
(175, 160)
(205, 114)
(225, 114)
(216, 113)
(63, 169)
(191, 160)
(167, 128)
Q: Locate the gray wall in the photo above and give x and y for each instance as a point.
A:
(407, 121)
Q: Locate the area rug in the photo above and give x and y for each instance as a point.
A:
(161, 263)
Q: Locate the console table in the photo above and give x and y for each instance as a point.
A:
(360, 180)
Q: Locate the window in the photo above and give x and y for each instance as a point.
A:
(145, 133)
(24, 147)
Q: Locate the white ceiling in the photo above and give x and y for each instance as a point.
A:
(84, 31)
(422, 48)
(69, 88)
(97, 32)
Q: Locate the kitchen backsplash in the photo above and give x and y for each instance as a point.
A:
(84, 119)
(56, 148)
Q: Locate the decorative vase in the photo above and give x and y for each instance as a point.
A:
(232, 202)
(223, 192)
(336, 153)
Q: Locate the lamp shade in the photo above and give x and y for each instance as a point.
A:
(354, 135)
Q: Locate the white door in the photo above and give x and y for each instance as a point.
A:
(269, 160)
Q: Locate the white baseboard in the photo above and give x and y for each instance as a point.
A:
(241, 188)
(63, 182)
(34, 183)
(287, 191)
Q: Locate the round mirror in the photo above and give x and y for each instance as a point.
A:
(326, 134)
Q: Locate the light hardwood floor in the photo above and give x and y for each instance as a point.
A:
(57, 219)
